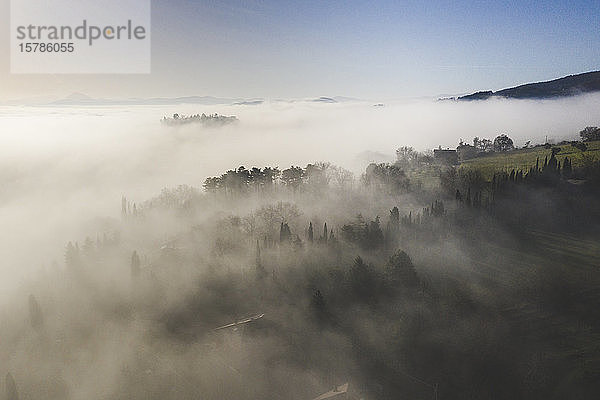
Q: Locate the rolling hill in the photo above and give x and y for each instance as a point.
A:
(568, 86)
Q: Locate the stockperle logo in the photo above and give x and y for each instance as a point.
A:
(66, 36)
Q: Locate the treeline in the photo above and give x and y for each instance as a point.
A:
(210, 120)
(471, 188)
(386, 176)
(365, 234)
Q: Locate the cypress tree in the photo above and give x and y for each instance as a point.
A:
(394, 219)
(285, 235)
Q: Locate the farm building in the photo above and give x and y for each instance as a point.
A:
(445, 156)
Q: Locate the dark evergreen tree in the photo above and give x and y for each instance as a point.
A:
(285, 235)
(310, 232)
(394, 222)
(401, 270)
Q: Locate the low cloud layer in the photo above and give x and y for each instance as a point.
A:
(64, 170)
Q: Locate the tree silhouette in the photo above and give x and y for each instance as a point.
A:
(590, 133)
(401, 270)
(285, 235)
(394, 222)
(503, 143)
(292, 177)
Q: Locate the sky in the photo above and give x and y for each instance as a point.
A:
(376, 50)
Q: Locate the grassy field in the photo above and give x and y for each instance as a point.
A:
(525, 158)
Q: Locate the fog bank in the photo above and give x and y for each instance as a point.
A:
(63, 170)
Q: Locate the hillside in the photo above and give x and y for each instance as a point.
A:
(523, 159)
(568, 86)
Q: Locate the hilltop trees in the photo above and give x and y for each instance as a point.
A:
(207, 120)
(315, 176)
(482, 145)
(241, 179)
(503, 143)
(292, 177)
(590, 133)
(406, 156)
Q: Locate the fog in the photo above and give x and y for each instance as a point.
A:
(63, 167)
(64, 171)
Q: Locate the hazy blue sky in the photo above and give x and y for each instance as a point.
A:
(375, 50)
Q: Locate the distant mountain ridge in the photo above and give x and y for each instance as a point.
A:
(78, 99)
(571, 85)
